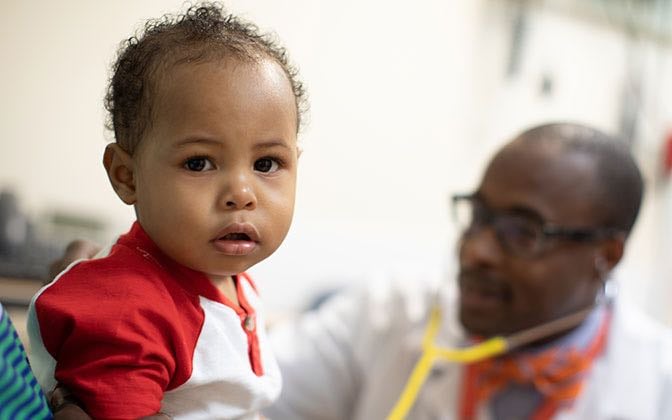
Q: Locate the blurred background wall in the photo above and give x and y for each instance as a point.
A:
(408, 100)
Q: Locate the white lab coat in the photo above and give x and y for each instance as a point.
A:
(351, 359)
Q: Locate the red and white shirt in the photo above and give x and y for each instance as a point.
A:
(135, 333)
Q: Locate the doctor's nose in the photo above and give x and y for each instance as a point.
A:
(240, 194)
(479, 247)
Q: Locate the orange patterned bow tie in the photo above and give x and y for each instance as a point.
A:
(558, 374)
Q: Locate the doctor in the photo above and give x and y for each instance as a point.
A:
(542, 233)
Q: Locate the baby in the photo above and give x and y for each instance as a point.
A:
(205, 112)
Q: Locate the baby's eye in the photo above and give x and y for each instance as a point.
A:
(198, 164)
(266, 165)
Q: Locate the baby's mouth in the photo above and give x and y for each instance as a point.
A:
(237, 239)
(235, 243)
(235, 236)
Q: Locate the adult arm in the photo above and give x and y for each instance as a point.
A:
(316, 355)
(350, 358)
(66, 407)
(76, 250)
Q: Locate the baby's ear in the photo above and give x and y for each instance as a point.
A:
(119, 167)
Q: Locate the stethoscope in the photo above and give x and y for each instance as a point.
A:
(491, 347)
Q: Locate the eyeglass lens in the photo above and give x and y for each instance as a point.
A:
(517, 233)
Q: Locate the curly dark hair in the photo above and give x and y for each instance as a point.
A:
(206, 31)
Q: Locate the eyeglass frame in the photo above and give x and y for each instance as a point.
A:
(547, 231)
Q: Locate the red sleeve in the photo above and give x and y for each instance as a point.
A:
(115, 337)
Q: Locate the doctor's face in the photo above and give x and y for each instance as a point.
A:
(505, 288)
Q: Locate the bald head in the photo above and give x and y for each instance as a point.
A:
(617, 185)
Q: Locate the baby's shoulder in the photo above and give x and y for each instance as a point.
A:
(109, 292)
(122, 274)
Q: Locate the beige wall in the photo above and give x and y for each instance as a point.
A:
(408, 100)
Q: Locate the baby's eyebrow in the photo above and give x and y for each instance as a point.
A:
(262, 145)
(191, 141)
(271, 144)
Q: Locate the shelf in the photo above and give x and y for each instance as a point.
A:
(18, 292)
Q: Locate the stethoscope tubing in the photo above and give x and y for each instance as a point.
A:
(489, 348)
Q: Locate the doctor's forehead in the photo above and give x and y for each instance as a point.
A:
(551, 181)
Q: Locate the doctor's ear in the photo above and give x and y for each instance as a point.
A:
(608, 255)
(119, 167)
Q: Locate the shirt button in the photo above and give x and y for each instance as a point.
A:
(248, 323)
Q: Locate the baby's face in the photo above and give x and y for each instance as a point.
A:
(215, 174)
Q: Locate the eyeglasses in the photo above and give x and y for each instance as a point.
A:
(520, 232)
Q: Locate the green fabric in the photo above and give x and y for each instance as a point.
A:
(20, 394)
